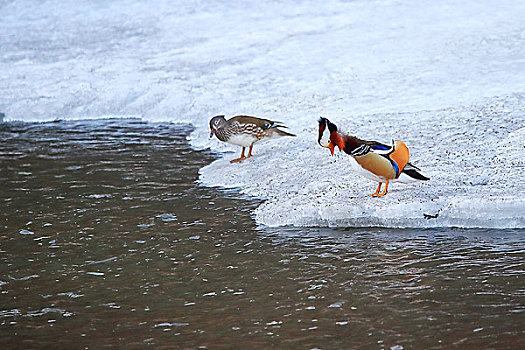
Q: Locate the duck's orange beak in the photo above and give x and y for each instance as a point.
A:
(212, 132)
(332, 147)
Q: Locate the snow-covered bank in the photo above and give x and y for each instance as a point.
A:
(473, 155)
(165, 60)
(446, 77)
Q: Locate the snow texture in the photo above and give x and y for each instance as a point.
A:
(474, 157)
(446, 77)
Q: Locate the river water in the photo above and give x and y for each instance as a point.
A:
(107, 241)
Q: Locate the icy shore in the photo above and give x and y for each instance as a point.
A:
(473, 155)
(445, 77)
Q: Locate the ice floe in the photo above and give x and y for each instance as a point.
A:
(473, 155)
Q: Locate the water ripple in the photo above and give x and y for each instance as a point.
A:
(126, 248)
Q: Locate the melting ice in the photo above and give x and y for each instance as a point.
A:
(445, 77)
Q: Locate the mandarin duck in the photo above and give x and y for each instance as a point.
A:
(376, 161)
(244, 131)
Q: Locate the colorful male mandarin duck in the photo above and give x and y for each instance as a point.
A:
(244, 131)
(376, 161)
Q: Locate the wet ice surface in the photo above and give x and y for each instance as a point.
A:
(126, 248)
(445, 77)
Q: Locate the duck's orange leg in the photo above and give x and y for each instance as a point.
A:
(376, 192)
(239, 159)
(250, 151)
(384, 191)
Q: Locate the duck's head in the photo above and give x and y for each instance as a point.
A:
(328, 136)
(216, 122)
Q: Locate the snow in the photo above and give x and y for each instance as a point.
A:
(473, 156)
(446, 77)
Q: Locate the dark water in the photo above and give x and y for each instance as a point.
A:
(107, 242)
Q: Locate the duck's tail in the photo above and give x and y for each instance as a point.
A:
(412, 172)
(274, 132)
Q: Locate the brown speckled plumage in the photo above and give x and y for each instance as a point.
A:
(244, 130)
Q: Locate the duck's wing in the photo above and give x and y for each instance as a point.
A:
(381, 148)
(366, 147)
(264, 124)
